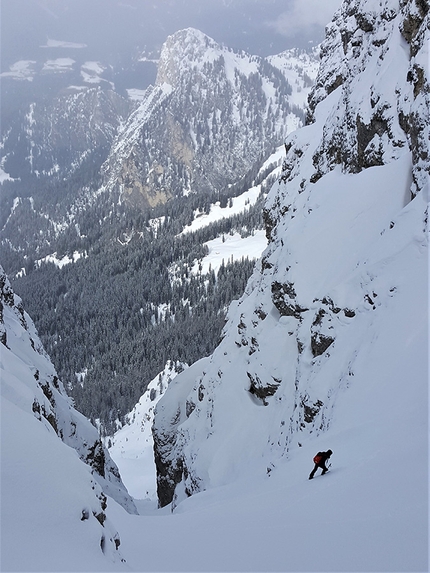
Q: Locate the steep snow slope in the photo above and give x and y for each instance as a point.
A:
(52, 503)
(328, 346)
(368, 514)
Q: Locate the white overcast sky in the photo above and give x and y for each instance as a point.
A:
(114, 28)
(303, 15)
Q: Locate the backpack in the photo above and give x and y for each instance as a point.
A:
(319, 458)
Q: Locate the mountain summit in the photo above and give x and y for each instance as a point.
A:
(185, 47)
(212, 115)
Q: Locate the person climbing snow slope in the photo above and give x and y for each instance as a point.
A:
(320, 462)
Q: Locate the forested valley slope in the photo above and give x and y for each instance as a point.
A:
(100, 196)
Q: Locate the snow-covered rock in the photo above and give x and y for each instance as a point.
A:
(56, 476)
(377, 54)
(332, 328)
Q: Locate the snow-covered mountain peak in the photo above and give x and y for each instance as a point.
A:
(183, 48)
(192, 48)
(211, 117)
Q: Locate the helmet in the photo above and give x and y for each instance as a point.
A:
(329, 452)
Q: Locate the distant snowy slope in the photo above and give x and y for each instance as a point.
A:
(270, 170)
(53, 504)
(300, 68)
(231, 248)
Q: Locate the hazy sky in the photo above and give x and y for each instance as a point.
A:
(114, 27)
(304, 16)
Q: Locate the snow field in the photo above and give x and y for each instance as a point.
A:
(370, 512)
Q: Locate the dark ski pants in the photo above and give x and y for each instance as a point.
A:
(322, 466)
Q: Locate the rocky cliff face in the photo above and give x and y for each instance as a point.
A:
(347, 254)
(372, 127)
(211, 116)
(42, 394)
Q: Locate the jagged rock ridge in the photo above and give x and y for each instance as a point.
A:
(375, 129)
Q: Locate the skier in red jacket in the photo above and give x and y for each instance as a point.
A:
(320, 461)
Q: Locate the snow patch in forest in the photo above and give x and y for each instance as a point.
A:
(230, 248)
(61, 262)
